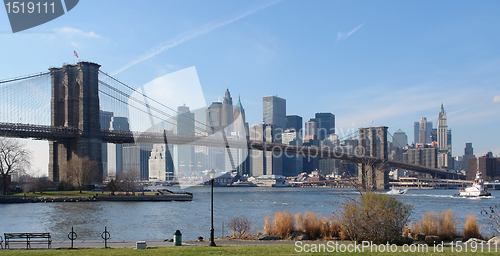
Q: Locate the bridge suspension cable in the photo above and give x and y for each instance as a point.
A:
(9, 80)
(144, 103)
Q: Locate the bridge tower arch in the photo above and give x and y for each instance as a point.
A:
(373, 174)
(75, 103)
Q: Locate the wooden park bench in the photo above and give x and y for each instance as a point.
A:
(28, 238)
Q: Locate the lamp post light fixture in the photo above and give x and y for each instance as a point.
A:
(212, 177)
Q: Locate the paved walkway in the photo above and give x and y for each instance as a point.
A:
(129, 243)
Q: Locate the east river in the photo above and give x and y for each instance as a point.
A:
(159, 220)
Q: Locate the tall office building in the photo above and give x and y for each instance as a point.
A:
(326, 124)
(442, 130)
(136, 160)
(161, 166)
(227, 111)
(214, 118)
(444, 146)
(274, 111)
(468, 153)
(241, 131)
(424, 126)
(115, 151)
(222, 115)
(292, 163)
(421, 156)
(311, 130)
(265, 162)
(294, 122)
(104, 120)
(183, 154)
(399, 139)
(422, 131)
(240, 111)
(488, 165)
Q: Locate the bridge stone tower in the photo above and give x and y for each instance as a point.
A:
(75, 103)
(372, 175)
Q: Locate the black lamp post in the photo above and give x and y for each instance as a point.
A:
(212, 177)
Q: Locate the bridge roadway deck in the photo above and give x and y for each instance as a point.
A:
(42, 132)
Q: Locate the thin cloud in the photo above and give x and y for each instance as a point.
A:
(206, 28)
(341, 36)
(496, 98)
(68, 31)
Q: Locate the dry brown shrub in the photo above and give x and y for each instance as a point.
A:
(312, 224)
(343, 235)
(318, 226)
(428, 224)
(267, 225)
(447, 225)
(471, 229)
(281, 225)
(299, 221)
(335, 225)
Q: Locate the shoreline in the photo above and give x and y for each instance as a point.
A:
(117, 198)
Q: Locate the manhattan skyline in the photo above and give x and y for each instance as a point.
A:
(369, 63)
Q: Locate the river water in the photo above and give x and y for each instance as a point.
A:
(159, 220)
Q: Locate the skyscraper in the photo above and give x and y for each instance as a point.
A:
(214, 118)
(265, 162)
(442, 130)
(183, 154)
(294, 122)
(427, 135)
(115, 151)
(161, 166)
(240, 111)
(311, 130)
(274, 111)
(444, 146)
(326, 124)
(468, 153)
(104, 120)
(422, 132)
(227, 111)
(399, 139)
(241, 130)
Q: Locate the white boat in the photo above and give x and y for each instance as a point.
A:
(242, 184)
(397, 191)
(477, 189)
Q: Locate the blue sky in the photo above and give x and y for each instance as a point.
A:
(382, 62)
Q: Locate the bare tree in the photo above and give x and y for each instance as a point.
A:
(127, 180)
(14, 157)
(241, 227)
(80, 171)
(40, 184)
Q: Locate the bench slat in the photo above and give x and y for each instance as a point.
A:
(27, 238)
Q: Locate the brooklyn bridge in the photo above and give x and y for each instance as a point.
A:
(62, 106)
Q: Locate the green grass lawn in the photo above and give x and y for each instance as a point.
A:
(226, 250)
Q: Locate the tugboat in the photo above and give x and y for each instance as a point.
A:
(477, 189)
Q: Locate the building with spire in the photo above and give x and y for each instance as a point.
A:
(241, 131)
(227, 111)
(443, 145)
(241, 125)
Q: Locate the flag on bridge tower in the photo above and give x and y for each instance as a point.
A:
(76, 54)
